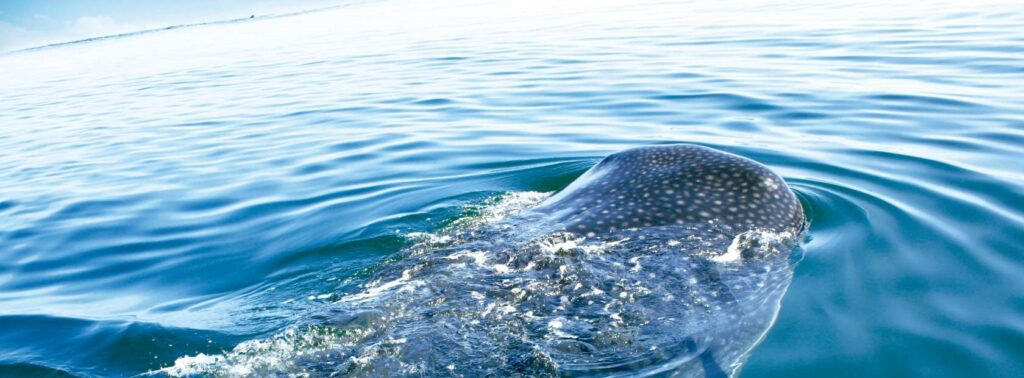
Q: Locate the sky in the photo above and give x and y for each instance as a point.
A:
(30, 23)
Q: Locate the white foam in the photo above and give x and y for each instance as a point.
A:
(766, 240)
(404, 283)
(191, 365)
(429, 238)
(500, 208)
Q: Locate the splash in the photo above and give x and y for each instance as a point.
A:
(497, 293)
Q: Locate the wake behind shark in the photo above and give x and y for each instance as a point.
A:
(659, 261)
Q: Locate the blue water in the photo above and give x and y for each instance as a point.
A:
(179, 192)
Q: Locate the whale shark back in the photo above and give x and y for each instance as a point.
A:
(659, 261)
(675, 184)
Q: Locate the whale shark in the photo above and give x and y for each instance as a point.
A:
(666, 260)
(676, 184)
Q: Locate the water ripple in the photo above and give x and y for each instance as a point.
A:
(161, 198)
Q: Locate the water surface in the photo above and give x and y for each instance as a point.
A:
(183, 191)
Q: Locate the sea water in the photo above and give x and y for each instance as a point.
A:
(180, 193)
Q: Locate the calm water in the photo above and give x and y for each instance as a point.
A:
(180, 192)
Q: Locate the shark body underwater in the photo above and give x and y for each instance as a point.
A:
(659, 261)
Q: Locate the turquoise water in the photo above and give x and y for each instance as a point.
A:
(180, 192)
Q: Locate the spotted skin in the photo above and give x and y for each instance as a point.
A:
(519, 297)
(681, 184)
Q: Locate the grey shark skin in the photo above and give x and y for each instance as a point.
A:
(676, 184)
(666, 261)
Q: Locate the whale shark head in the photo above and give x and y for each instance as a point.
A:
(679, 184)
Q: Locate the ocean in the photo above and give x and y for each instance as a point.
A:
(176, 193)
